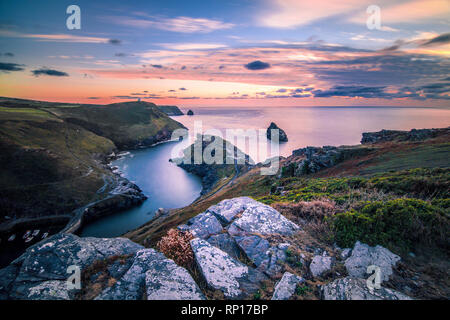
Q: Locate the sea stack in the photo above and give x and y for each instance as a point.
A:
(282, 135)
(190, 112)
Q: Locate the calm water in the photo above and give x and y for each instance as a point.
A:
(168, 186)
(318, 126)
(165, 185)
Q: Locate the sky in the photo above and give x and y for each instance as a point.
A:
(229, 52)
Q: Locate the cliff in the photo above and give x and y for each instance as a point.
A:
(54, 157)
(171, 110)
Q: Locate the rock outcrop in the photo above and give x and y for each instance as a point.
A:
(282, 136)
(44, 266)
(320, 264)
(315, 159)
(363, 256)
(285, 288)
(171, 110)
(356, 289)
(43, 270)
(226, 160)
(396, 135)
(222, 272)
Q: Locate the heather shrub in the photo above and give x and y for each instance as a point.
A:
(315, 210)
(176, 246)
(398, 223)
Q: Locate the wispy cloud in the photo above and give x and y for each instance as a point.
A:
(179, 24)
(192, 46)
(53, 37)
(294, 13)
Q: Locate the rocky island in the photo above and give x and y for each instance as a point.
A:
(282, 136)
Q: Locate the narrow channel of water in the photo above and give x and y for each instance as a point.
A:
(165, 185)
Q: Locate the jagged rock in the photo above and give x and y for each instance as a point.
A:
(320, 264)
(282, 136)
(226, 243)
(227, 209)
(224, 273)
(167, 281)
(285, 288)
(204, 225)
(131, 285)
(396, 135)
(266, 257)
(160, 278)
(356, 289)
(345, 253)
(190, 112)
(49, 290)
(264, 220)
(363, 256)
(48, 261)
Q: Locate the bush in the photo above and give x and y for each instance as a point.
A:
(396, 223)
(176, 246)
(315, 210)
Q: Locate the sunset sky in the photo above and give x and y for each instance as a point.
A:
(228, 53)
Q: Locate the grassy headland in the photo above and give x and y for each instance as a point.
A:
(53, 154)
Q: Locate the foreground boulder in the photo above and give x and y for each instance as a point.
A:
(222, 272)
(320, 264)
(266, 256)
(285, 288)
(165, 280)
(282, 136)
(203, 225)
(263, 220)
(356, 289)
(226, 210)
(240, 226)
(43, 270)
(363, 256)
(155, 276)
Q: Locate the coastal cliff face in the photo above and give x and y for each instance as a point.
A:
(54, 158)
(171, 110)
(240, 247)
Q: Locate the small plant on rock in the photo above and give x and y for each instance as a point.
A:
(176, 246)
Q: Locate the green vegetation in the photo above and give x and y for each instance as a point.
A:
(418, 183)
(395, 209)
(423, 155)
(52, 152)
(399, 223)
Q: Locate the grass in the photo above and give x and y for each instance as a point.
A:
(52, 152)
